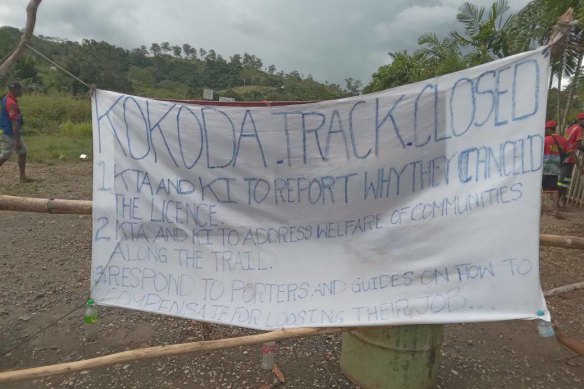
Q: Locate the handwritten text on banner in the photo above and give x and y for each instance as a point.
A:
(414, 205)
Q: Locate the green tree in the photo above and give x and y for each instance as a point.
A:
(26, 69)
(155, 49)
(251, 61)
(165, 47)
(353, 87)
(235, 60)
(211, 56)
(404, 69)
(189, 51)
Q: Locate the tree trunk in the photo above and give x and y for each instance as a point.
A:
(31, 11)
(573, 87)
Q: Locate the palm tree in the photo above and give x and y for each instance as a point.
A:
(532, 26)
(441, 56)
(489, 33)
(485, 33)
(404, 68)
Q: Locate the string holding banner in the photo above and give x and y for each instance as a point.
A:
(373, 210)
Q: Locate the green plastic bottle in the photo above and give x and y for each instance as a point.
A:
(90, 321)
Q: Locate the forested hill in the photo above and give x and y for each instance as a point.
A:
(161, 70)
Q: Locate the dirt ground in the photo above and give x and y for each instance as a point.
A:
(44, 277)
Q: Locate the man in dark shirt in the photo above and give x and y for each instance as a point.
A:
(11, 129)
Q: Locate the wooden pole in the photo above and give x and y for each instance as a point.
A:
(27, 204)
(575, 345)
(31, 12)
(567, 242)
(84, 207)
(160, 351)
(564, 289)
(560, 31)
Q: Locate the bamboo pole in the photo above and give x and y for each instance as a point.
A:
(160, 351)
(27, 204)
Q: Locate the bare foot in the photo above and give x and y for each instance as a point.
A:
(24, 180)
(558, 215)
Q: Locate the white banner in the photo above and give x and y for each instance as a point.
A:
(418, 204)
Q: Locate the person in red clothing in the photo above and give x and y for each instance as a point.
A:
(10, 129)
(574, 135)
(554, 154)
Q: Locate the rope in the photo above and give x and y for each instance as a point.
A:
(57, 65)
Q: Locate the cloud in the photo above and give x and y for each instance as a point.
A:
(331, 40)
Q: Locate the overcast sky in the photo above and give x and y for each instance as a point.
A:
(329, 39)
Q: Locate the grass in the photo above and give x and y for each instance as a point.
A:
(81, 130)
(67, 144)
(45, 114)
(56, 148)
